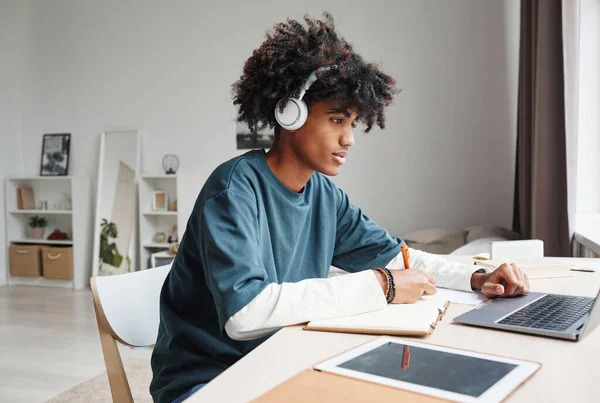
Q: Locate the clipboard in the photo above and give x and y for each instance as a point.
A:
(319, 386)
(316, 386)
(419, 319)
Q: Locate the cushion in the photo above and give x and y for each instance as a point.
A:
(477, 246)
(436, 240)
(488, 231)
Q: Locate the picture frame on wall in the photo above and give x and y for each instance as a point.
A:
(253, 139)
(55, 154)
(160, 200)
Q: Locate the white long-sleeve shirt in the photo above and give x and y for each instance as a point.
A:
(287, 304)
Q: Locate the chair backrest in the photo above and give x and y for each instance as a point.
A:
(128, 304)
(127, 310)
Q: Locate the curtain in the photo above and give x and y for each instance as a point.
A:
(546, 123)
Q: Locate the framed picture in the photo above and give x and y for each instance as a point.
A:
(55, 154)
(160, 200)
(250, 139)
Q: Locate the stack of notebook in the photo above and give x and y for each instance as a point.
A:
(418, 319)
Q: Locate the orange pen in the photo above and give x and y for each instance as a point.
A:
(405, 358)
(405, 256)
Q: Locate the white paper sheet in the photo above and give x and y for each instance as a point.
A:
(461, 297)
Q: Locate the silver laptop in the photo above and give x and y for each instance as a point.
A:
(554, 315)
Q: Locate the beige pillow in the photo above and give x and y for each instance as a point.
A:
(488, 231)
(436, 240)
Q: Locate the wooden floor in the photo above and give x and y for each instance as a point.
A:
(48, 342)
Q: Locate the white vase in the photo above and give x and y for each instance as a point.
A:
(37, 233)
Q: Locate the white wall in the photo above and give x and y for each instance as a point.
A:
(445, 159)
(14, 25)
(588, 158)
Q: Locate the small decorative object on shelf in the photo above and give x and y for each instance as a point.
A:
(173, 206)
(55, 154)
(173, 234)
(160, 237)
(160, 200)
(170, 164)
(37, 225)
(65, 203)
(57, 235)
(173, 248)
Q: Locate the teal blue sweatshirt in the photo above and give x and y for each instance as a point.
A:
(247, 230)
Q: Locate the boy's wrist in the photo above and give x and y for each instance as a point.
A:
(477, 280)
(383, 282)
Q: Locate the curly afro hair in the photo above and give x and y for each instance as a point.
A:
(281, 65)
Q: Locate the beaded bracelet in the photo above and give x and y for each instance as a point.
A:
(387, 281)
(392, 283)
(390, 292)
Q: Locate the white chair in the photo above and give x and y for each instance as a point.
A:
(127, 311)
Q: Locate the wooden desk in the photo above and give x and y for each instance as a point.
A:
(570, 370)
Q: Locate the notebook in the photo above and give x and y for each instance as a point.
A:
(418, 319)
(534, 268)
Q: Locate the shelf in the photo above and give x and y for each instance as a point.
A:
(153, 221)
(163, 176)
(65, 212)
(171, 213)
(40, 282)
(157, 245)
(76, 219)
(36, 178)
(43, 241)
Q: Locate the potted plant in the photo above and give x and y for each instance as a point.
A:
(37, 225)
(108, 250)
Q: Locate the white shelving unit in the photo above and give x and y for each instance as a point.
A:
(172, 213)
(157, 245)
(41, 212)
(42, 241)
(76, 222)
(151, 221)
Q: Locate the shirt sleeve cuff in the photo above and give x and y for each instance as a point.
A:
(374, 292)
(463, 279)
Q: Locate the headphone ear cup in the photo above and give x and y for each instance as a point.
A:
(294, 114)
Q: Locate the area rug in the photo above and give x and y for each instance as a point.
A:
(97, 390)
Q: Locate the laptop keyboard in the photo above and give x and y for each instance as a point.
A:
(552, 312)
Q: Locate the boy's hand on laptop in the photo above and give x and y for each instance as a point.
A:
(506, 281)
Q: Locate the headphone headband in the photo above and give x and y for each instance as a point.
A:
(295, 112)
(313, 77)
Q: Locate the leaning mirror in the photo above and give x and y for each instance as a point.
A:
(115, 228)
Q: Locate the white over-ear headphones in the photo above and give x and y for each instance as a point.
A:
(295, 112)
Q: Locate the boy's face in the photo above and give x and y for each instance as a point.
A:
(323, 141)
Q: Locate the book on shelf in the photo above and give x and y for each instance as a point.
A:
(25, 200)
